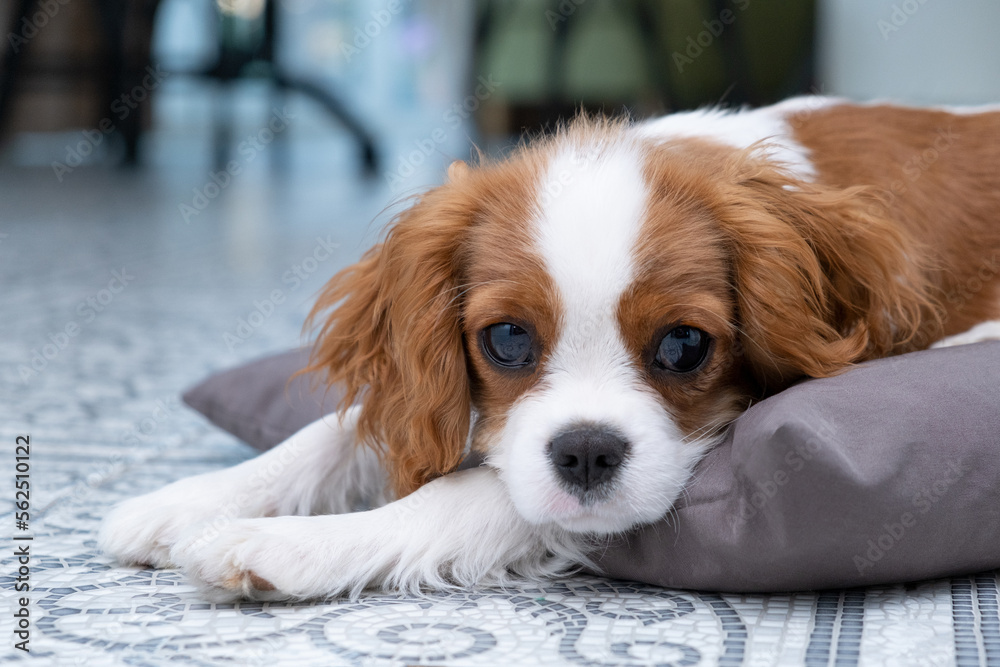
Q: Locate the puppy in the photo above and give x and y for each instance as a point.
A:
(590, 314)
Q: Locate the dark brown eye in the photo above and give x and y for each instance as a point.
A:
(507, 345)
(683, 349)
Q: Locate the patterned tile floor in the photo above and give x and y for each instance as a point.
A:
(101, 408)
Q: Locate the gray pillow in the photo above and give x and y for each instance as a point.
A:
(258, 404)
(887, 473)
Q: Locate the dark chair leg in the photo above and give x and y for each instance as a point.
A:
(335, 107)
(12, 62)
(222, 131)
(735, 62)
(120, 78)
(279, 148)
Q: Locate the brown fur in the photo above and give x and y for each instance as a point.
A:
(822, 282)
(394, 332)
(791, 279)
(937, 179)
(683, 278)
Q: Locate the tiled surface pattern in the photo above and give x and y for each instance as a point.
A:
(105, 425)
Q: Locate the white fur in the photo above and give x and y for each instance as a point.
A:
(971, 110)
(981, 332)
(958, 110)
(744, 128)
(317, 470)
(587, 235)
(458, 531)
(223, 525)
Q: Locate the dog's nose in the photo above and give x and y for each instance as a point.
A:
(587, 456)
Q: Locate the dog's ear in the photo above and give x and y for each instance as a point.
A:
(823, 277)
(391, 336)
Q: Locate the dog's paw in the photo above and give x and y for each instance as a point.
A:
(141, 531)
(258, 559)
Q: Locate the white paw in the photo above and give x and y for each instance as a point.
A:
(141, 531)
(977, 334)
(264, 559)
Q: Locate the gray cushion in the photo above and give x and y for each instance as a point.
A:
(887, 473)
(259, 402)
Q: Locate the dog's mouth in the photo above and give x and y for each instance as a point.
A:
(603, 513)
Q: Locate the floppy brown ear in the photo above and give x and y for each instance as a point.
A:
(392, 337)
(824, 278)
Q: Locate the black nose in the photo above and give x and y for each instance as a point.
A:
(587, 456)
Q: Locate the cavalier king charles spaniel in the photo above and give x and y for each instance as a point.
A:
(589, 314)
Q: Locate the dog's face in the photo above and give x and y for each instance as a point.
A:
(598, 329)
(595, 309)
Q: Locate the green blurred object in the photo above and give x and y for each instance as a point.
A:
(645, 56)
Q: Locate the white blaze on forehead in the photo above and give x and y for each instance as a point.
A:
(591, 207)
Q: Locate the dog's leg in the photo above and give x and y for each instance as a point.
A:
(320, 469)
(461, 530)
(984, 331)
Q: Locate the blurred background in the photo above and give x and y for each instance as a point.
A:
(207, 144)
(181, 84)
(178, 179)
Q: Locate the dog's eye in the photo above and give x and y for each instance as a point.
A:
(507, 345)
(683, 349)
